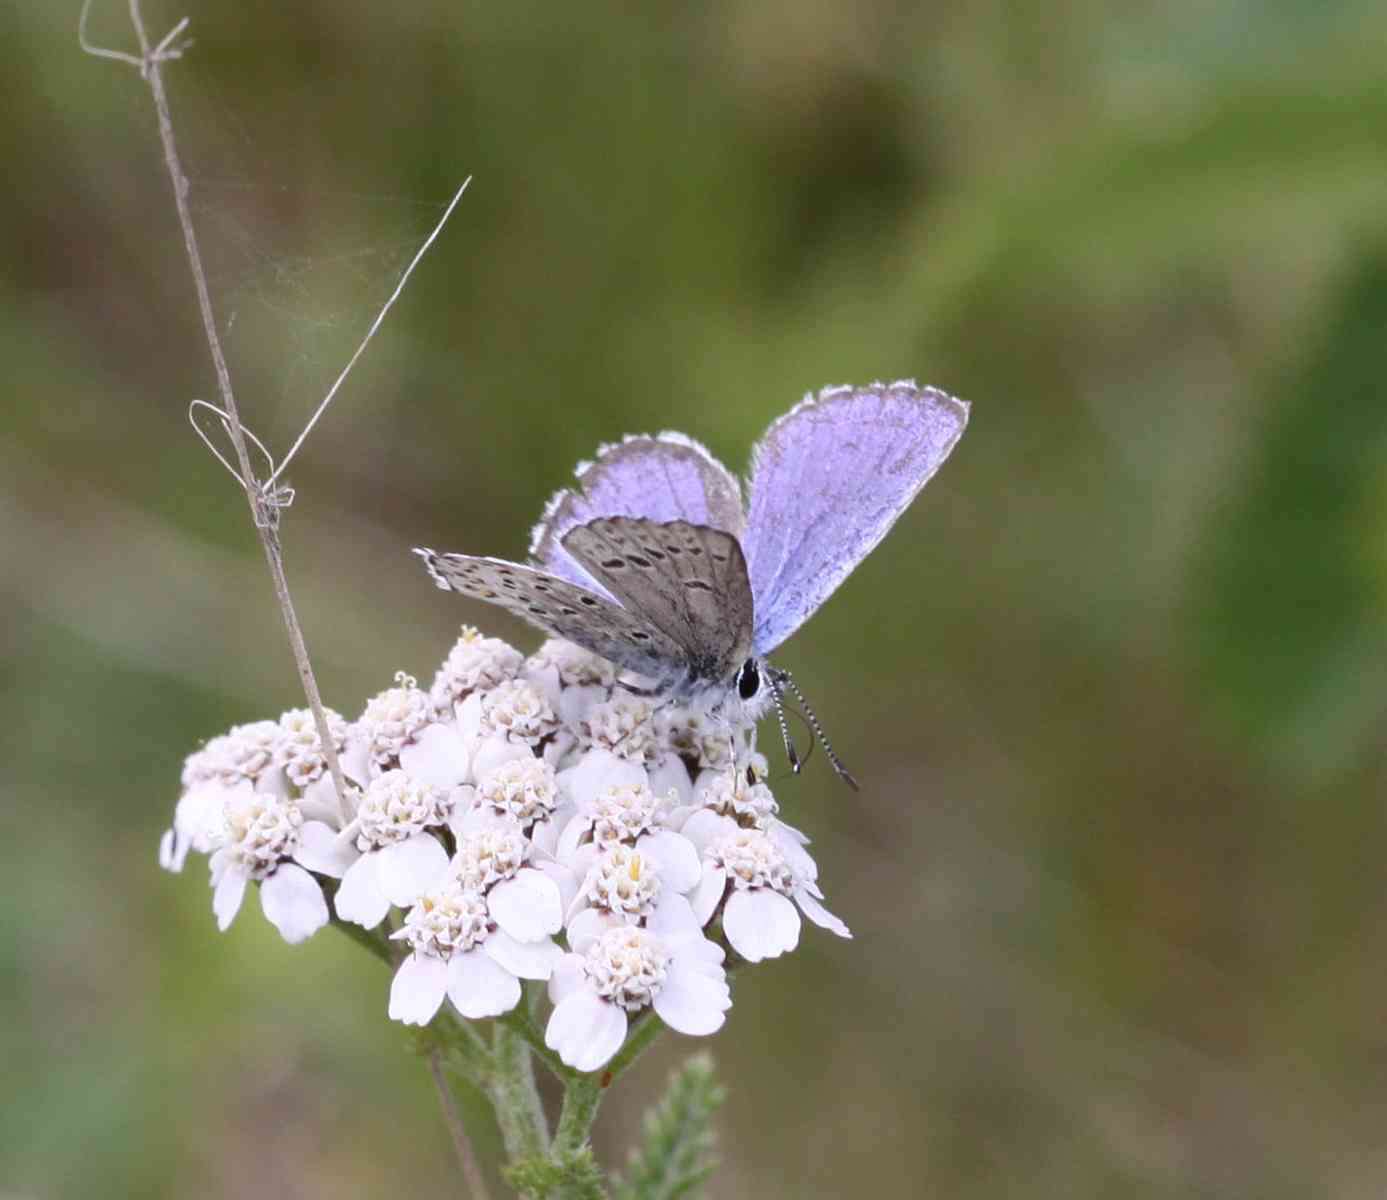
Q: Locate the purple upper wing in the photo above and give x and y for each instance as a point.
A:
(664, 478)
(828, 481)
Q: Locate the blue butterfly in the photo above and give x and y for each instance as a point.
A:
(653, 562)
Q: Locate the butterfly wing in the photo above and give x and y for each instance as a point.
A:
(828, 481)
(665, 478)
(560, 608)
(689, 581)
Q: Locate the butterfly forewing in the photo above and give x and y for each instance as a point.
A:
(689, 581)
(829, 480)
(560, 608)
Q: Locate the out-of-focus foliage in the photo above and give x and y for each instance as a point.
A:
(1115, 686)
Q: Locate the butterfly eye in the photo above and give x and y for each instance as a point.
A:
(748, 680)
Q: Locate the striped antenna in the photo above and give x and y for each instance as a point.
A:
(783, 677)
(773, 677)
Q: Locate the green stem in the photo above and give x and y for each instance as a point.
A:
(646, 1028)
(581, 1099)
(372, 939)
(524, 1026)
(519, 1112)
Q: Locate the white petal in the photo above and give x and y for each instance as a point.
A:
(678, 861)
(418, 990)
(674, 818)
(527, 907)
(548, 681)
(671, 775)
(321, 849)
(705, 898)
(760, 923)
(226, 899)
(494, 752)
(528, 960)
(589, 925)
(293, 902)
(821, 917)
(173, 851)
(585, 1030)
(705, 827)
(218, 864)
(477, 817)
(409, 868)
(273, 783)
(469, 715)
(319, 801)
(674, 919)
(692, 1003)
(564, 879)
(567, 844)
(479, 986)
(596, 771)
(438, 755)
(567, 978)
(359, 897)
(576, 702)
(802, 865)
(355, 761)
(545, 834)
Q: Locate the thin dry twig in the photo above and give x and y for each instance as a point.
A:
(266, 498)
(150, 62)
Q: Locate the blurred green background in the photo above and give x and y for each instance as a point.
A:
(1115, 686)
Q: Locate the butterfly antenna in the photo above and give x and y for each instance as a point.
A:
(779, 697)
(818, 730)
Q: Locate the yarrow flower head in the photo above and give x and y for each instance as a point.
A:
(392, 719)
(525, 790)
(762, 875)
(623, 882)
(396, 808)
(475, 663)
(517, 709)
(575, 666)
(245, 752)
(388, 854)
(616, 970)
(696, 739)
(238, 761)
(458, 949)
(623, 726)
(299, 750)
(751, 805)
(261, 836)
(491, 855)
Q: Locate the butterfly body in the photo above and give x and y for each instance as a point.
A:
(653, 562)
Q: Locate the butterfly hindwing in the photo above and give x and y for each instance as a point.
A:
(690, 581)
(667, 477)
(829, 480)
(558, 607)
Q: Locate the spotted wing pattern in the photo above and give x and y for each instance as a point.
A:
(562, 609)
(668, 477)
(688, 581)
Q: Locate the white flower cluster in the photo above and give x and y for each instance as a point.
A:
(520, 819)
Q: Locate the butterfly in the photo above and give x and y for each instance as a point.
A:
(653, 562)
